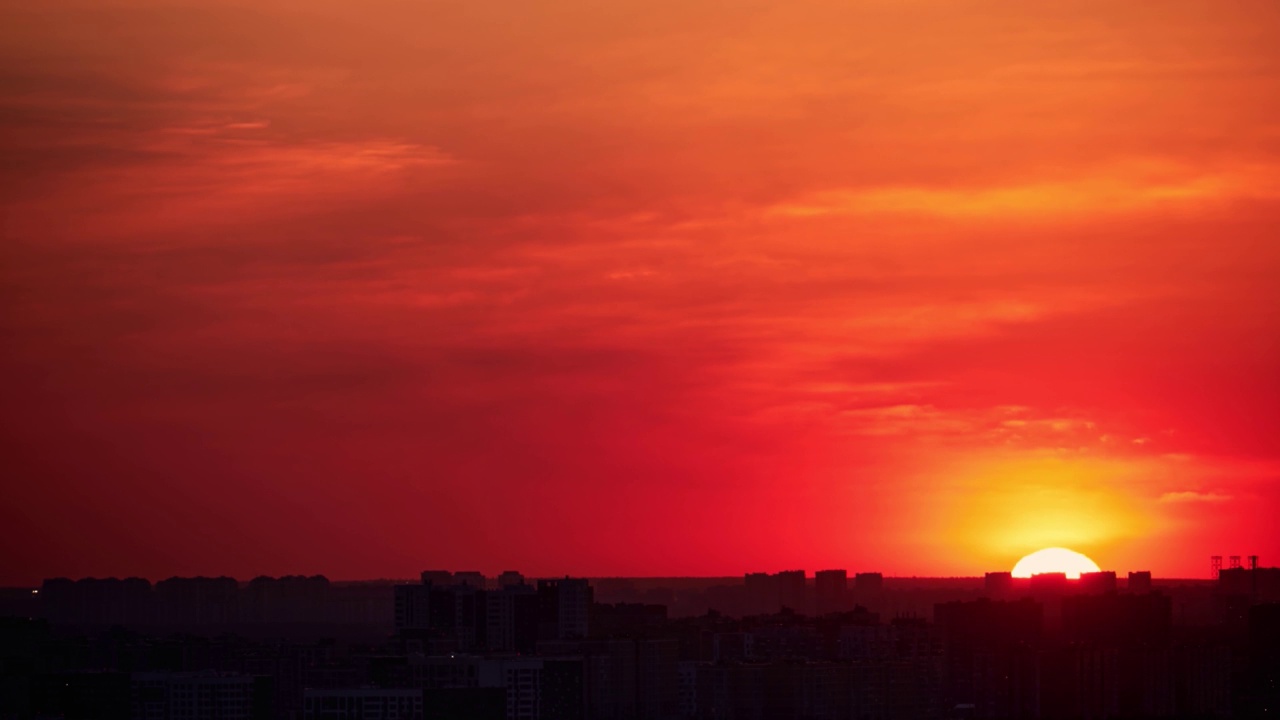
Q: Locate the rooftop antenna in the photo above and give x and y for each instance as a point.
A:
(1253, 562)
(1235, 562)
(1215, 566)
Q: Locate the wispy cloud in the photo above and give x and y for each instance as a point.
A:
(1111, 190)
(1192, 496)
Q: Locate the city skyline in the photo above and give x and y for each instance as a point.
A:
(488, 578)
(455, 645)
(661, 288)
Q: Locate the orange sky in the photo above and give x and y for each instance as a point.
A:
(648, 288)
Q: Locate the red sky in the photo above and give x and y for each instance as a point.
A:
(660, 287)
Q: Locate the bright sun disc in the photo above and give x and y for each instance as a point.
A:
(1054, 560)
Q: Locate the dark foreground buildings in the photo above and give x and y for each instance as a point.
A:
(780, 646)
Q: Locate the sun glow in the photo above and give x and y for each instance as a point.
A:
(1054, 560)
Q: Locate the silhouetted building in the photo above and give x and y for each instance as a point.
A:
(1203, 676)
(362, 704)
(204, 695)
(82, 696)
(687, 694)
(1261, 694)
(1081, 682)
(830, 591)
(1097, 582)
(868, 582)
(412, 604)
(441, 578)
(465, 703)
(470, 616)
(992, 651)
(1261, 584)
(1049, 584)
(562, 694)
(293, 598)
(791, 590)
(1140, 582)
(998, 584)
(657, 678)
(627, 619)
(97, 601)
(440, 672)
(762, 595)
(471, 578)
(564, 608)
(521, 678)
(1114, 620)
(511, 619)
(990, 623)
(550, 652)
(198, 601)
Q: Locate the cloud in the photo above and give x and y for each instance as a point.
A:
(970, 425)
(1107, 191)
(906, 420)
(1191, 496)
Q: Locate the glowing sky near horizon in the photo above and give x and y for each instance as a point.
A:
(646, 288)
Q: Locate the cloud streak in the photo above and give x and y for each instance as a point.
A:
(1192, 496)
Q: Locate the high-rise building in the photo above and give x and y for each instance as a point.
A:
(1118, 620)
(830, 591)
(868, 582)
(362, 704)
(201, 695)
(998, 584)
(98, 601)
(1140, 582)
(442, 578)
(469, 616)
(562, 692)
(471, 578)
(563, 608)
(97, 695)
(522, 680)
(761, 591)
(657, 678)
(1095, 583)
(991, 651)
(500, 620)
(292, 598)
(197, 601)
(1049, 583)
(412, 607)
(792, 591)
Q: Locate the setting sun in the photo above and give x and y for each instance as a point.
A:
(1054, 560)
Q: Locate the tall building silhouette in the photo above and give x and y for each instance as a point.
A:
(1140, 582)
(564, 608)
(792, 592)
(830, 591)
